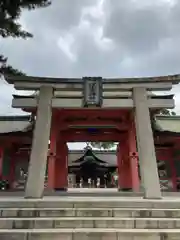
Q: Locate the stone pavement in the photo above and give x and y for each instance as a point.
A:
(95, 192)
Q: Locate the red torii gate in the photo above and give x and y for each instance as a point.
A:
(72, 125)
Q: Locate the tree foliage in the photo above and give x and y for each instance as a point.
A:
(103, 145)
(7, 69)
(167, 112)
(10, 12)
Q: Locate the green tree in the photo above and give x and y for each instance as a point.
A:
(167, 112)
(173, 113)
(7, 69)
(10, 12)
(103, 145)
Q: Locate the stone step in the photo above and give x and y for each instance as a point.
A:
(86, 202)
(89, 212)
(86, 192)
(90, 234)
(82, 192)
(98, 222)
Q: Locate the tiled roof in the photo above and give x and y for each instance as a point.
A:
(9, 124)
(165, 123)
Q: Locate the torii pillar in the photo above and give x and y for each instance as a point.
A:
(61, 167)
(39, 151)
(1, 162)
(133, 155)
(124, 173)
(52, 152)
(58, 159)
(127, 159)
(145, 143)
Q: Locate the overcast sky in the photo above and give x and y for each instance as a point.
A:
(75, 38)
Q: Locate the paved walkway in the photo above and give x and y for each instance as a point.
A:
(92, 194)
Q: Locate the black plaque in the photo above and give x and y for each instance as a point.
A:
(92, 94)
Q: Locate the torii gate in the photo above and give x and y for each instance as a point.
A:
(119, 108)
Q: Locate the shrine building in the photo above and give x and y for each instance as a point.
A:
(122, 110)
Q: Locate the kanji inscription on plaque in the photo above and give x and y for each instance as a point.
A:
(92, 91)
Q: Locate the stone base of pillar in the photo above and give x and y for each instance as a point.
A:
(34, 197)
(153, 198)
(60, 189)
(125, 190)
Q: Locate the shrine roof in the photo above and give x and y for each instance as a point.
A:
(89, 153)
(23, 123)
(165, 123)
(103, 158)
(98, 151)
(15, 117)
(169, 78)
(9, 124)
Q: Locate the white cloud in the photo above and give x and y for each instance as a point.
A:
(98, 37)
(65, 44)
